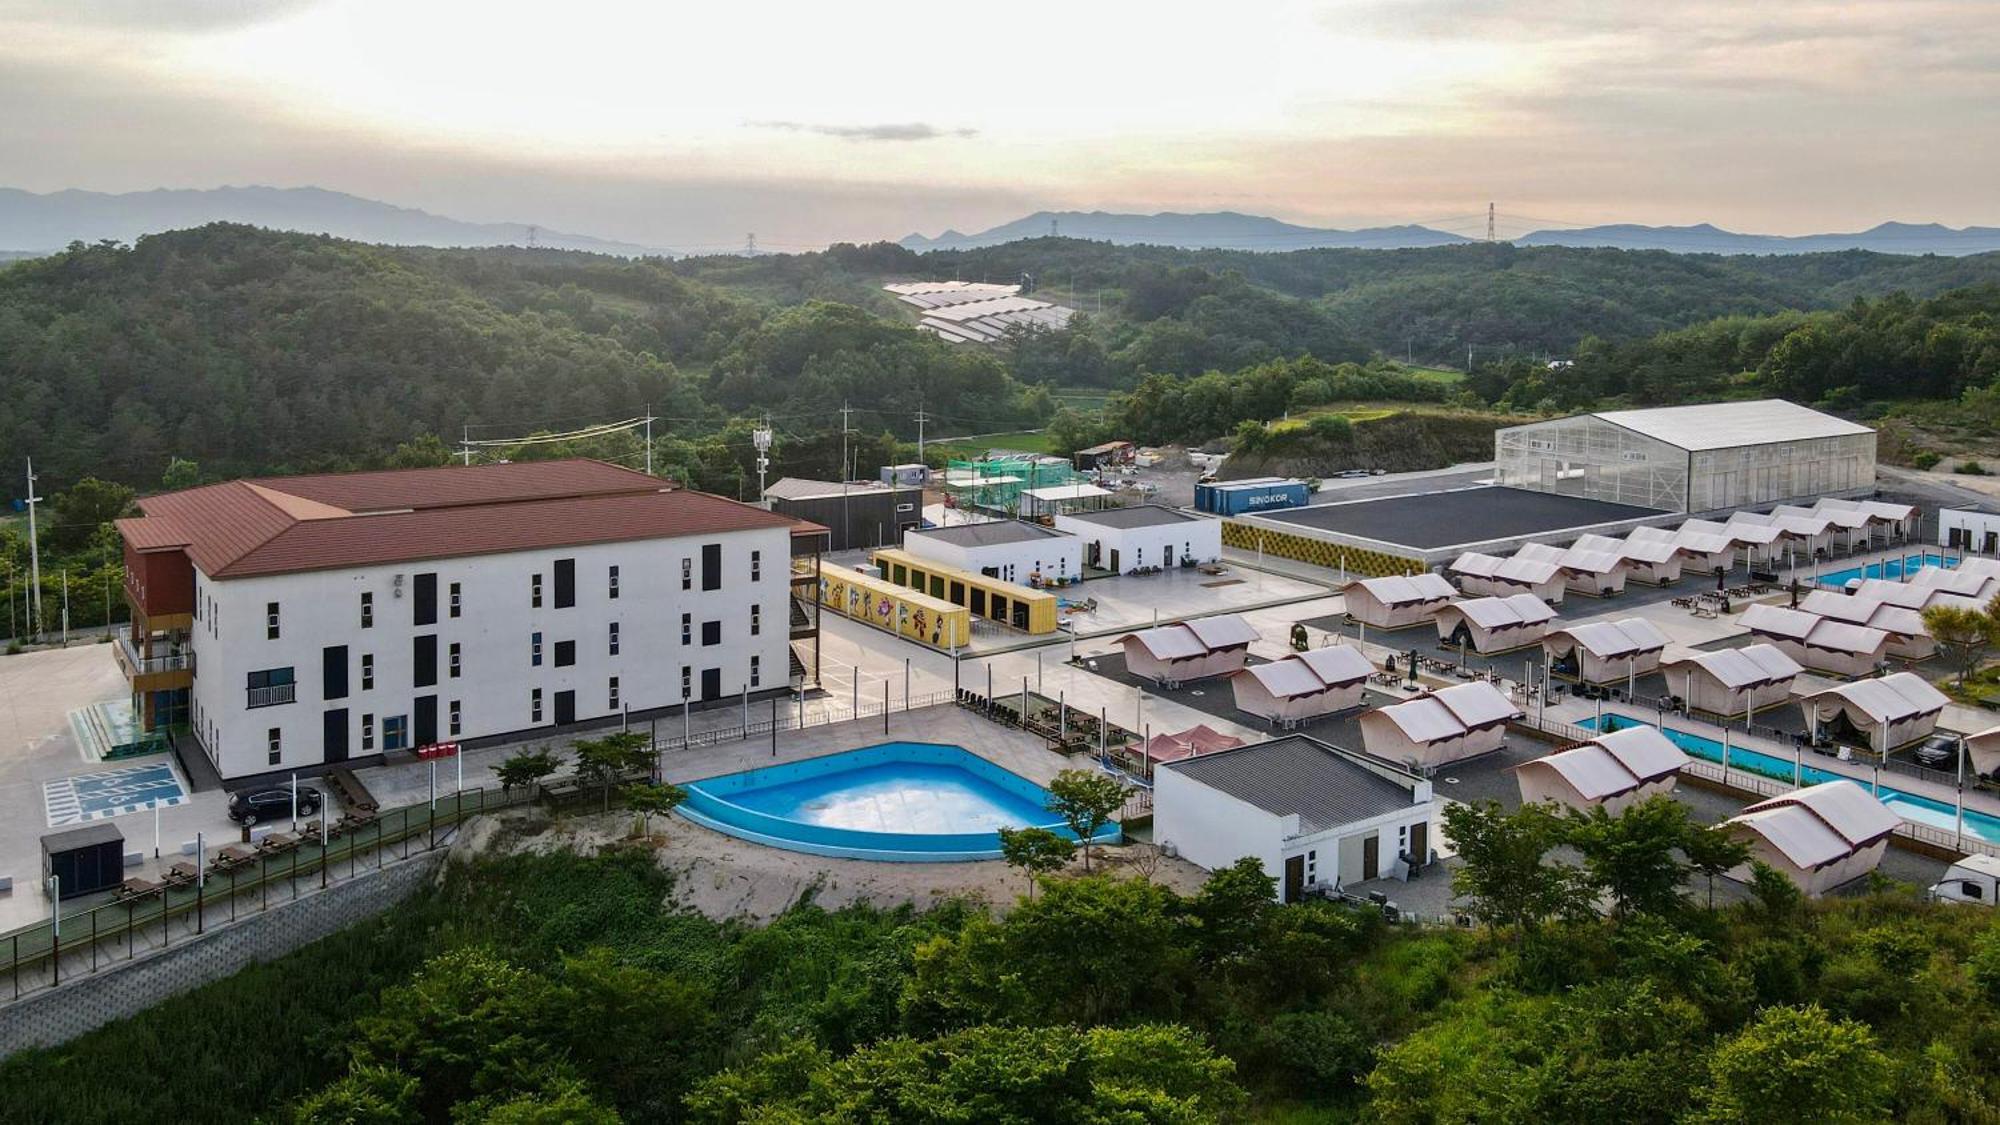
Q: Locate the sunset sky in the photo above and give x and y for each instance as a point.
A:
(686, 125)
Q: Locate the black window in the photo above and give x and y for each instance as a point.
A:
(687, 681)
(271, 687)
(756, 620)
(424, 660)
(535, 705)
(424, 603)
(565, 653)
(614, 693)
(614, 583)
(687, 628)
(687, 574)
(614, 638)
(535, 591)
(395, 732)
(756, 670)
(454, 660)
(711, 633)
(367, 671)
(565, 583)
(427, 720)
(274, 738)
(455, 599)
(711, 566)
(333, 735)
(455, 714)
(367, 610)
(368, 732)
(270, 621)
(565, 707)
(756, 566)
(535, 650)
(333, 672)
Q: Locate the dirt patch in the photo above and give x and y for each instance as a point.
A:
(724, 878)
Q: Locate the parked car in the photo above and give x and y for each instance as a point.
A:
(1939, 752)
(253, 806)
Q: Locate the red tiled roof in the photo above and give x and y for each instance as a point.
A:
(282, 525)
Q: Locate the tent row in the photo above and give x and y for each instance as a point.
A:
(1821, 643)
(1905, 625)
(1479, 573)
(1171, 655)
(1303, 685)
(1646, 560)
(1490, 625)
(1732, 681)
(1597, 573)
(1397, 602)
(1600, 652)
(1821, 837)
(1883, 713)
(1445, 726)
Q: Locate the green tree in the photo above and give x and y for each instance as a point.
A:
(365, 1095)
(650, 801)
(83, 508)
(1502, 864)
(607, 761)
(1711, 852)
(425, 451)
(1797, 1065)
(468, 1023)
(1230, 908)
(181, 473)
(1963, 633)
(525, 768)
(1036, 851)
(1086, 800)
(1634, 856)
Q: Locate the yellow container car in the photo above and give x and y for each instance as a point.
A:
(894, 608)
(1029, 610)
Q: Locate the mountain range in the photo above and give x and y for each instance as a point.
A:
(32, 222)
(1230, 230)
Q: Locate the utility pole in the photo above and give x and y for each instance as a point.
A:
(34, 558)
(465, 444)
(649, 442)
(1489, 222)
(65, 609)
(761, 439)
(750, 245)
(921, 419)
(845, 411)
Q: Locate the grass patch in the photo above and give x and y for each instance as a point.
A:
(1025, 441)
(1433, 374)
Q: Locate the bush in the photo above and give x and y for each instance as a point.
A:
(1971, 468)
(1926, 459)
(1323, 1051)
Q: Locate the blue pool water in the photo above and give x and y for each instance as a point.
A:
(1888, 568)
(913, 801)
(1909, 806)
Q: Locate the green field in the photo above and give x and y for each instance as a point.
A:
(1435, 374)
(1025, 441)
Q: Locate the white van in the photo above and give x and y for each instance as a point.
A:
(1974, 880)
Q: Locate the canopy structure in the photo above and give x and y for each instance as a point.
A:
(1303, 685)
(1397, 602)
(1450, 725)
(1198, 739)
(1982, 751)
(1802, 534)
(1818, 642)
(1481, 573)
(1821, 836)
(1975, 579)
(1613, 770)
(1603, 651)
(1732, 681)
(1597, 573)
(1907, 635)
(1880, 714)
(1191, 650)
(1080, 496)
(1495, 624)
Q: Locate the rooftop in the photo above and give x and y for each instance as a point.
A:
(1722, 425)
(992, 533)
(280, 525)
(1297, 774)
(801, 488)
(1138, 515)
(1429, 520)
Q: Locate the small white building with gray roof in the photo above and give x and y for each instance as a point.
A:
(1010, 550)
(1312, 814)
(1144, 535)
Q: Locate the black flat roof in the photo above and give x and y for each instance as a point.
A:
(1297, 774)
(989, 534)
(1467, 515)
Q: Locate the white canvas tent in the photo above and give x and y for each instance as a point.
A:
(1732, 681)
(1303, 685)
(1822, 836)
(1655, 563)
(1757, 541)
(1600, 652)
(1615, 770)
(1450, 725)
(1818, 642)
(1494, 624)
(1599, 574)
(1982, 752)
(1192, 650)
(1483, 574)
(1397, 602)
(1884, 713)
(1907, 635)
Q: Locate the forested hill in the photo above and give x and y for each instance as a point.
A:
(253, 351)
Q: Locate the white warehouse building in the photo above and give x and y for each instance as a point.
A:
(1123, 539)
(318, 620)
(1691, 458)
(1011, 550)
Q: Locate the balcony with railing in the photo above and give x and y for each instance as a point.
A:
(272, 696)
(162, 670)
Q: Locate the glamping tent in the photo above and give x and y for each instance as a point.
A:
(1599, 574)
(1818, 642)
(1759, 542)
(1397, 602)
(1894, 521)
(1880, 714)
(1654, 563)
(1458, 722)
(1494, 624)
(1821, 836)
(1192, 650)
(1483, 574)
(1732, 681)
(1801, 535)
(1198, 739)
(1982, 752)
(1907, 635)
(1303, 685)
(1615, 770)
(1600, 652)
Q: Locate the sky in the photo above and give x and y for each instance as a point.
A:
(689, 125)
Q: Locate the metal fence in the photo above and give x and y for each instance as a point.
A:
(42, 955)
(793, 718)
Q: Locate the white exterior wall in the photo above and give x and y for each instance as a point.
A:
(1052, 556)
(1211, 829)
(1340, 851)
(1199, 539)
(494, 631)
(1975, 531)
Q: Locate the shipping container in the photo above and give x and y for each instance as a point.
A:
(87, 859)
(1248, 497)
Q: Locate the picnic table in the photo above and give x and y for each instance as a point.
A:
(137, 888)
(278, 842)
(181, 874)
(231, 858)
(353, 794)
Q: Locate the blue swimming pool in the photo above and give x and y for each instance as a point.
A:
(1888, 568)
(910, 801)
(1909, 806)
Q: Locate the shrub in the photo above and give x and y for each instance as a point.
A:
(1926, 459)
(1971, 468)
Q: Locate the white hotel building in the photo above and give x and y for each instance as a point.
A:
(299, 623)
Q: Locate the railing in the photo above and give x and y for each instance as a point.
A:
(273, 695)
(136, 665)
(789, 719)
(41, 956)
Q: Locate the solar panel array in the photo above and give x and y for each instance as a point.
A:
(976, 312)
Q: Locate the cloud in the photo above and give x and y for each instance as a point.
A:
(894, 131)
(155, 15)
